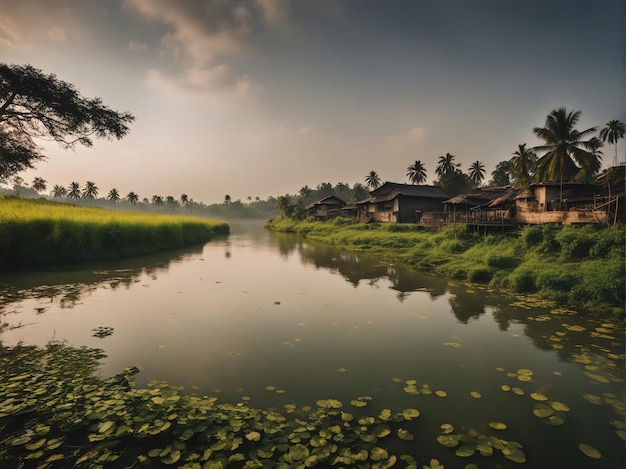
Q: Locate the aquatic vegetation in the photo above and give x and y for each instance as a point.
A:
(102, 332)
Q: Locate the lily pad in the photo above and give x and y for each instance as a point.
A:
(596, 400)
(465, 451)
(497, 425)
(590, 451)
(559, 406)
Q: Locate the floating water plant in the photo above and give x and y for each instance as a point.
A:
(590, 451)
(102, 332)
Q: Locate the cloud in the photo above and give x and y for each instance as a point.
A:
(201, 38)
(26, 22)
(214, 82)
(418, 133)
(137, 47)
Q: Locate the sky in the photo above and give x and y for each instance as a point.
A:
(258, 98)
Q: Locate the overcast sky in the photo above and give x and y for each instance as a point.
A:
(262, 97)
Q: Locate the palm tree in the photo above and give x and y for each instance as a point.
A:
(132, 198)
(477, 172)
(157, 200)
(227, 199)
(590, 168)
(523, 165)
(372, 180)
(90, 191)
(73, 191)
(39, 184)
(416, 172)
(445, 165)
(184, 199)
(563, 148)
(59, 191)
(613, 132)
(114, 195)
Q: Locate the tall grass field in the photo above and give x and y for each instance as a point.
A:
(582, 267)
(38, 232)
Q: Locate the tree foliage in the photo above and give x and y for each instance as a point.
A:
(34, 105)
(416, 172)
(564, 150)
(523, 165)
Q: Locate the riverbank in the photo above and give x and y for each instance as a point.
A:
(38, 232)
(580, 267)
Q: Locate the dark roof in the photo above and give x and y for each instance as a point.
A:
(330, 200)
(480, 196)
(390, 190)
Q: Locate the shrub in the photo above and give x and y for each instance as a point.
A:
(479, 274)
(502, 262)
(575, 242)
(531, 236)
(522, 280)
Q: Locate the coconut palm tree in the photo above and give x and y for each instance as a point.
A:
(477, 172)
(416, 172)
(39, 184)
(590, 169)
(132, 198)
(59, 191)
(184, 199)
(157, 200)
(73, 191)
(372, 180)
(523, 165)
(114, 195)
(613, 132)
(564, 153)
(445, 165)
(90, 191)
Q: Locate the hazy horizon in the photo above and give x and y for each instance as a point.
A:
(262, 97)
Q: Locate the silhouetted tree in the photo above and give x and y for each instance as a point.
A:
(372, 180)
(501, 175)
(114, 195)
(73, 191)
(90, 191)
(523, 165)
(612, 133)
(416, 172)
(446, 165)
(477, 172)
(35, 105)
(59, 191)
(227, 199)
(132, 198)
(39, 184)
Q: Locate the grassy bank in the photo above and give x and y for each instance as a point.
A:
(578, 266)
(36, 232)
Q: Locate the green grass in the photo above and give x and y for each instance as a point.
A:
(40, 232)
(581, 267)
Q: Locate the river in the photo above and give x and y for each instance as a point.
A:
(272, 319)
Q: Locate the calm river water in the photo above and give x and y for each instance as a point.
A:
(272, 319)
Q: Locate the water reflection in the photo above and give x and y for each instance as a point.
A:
(355, 267)
(66, 287)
